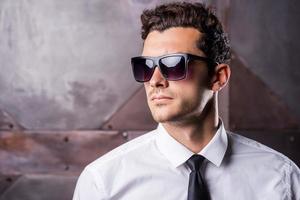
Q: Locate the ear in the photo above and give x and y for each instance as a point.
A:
(220, 77)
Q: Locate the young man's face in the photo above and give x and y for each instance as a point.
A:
(174, 101)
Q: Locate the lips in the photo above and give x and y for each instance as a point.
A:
(160, 98)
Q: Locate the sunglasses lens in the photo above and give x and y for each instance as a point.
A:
(142, 69)
(173, 67)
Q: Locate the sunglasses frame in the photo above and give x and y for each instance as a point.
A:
(156, 60)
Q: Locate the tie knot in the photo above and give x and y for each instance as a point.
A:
(195, 162)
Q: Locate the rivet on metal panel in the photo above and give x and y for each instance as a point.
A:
(66, 139)
(109, 126)
(7, 122)
(6, 126)
(292, 138)
(125, 135)
(8, 179)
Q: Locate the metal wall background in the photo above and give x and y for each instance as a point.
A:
(265, 35)
(67, 95)
(65, 64)
(264, 90)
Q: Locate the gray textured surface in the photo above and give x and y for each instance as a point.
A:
(265, 34)
(65, 64)
(37, 187)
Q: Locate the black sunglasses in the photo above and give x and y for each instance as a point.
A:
(173, 67)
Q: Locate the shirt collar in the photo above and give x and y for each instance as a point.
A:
(178, 154)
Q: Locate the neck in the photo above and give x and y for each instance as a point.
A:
(196, 132)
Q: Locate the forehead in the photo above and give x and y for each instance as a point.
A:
(173, 40)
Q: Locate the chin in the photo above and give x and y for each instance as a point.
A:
(167, 112)
(159, 119)
(159, 116)
(164, 116)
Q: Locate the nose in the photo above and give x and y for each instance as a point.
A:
(157, 79)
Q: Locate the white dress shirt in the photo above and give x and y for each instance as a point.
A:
(152, 167)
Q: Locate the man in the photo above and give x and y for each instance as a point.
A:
(190, 155)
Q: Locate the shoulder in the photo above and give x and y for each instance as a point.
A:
(253, 153)
(127, 150)
(98, 176)
(262, 164)
(241, 145)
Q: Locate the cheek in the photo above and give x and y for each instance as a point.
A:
(188, 92)
(191, 92)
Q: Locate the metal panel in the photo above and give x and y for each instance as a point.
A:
(65, 64)
(264, 34)
(54, 152)
(253, 106)
(7, 122)
(37, 187)
(6, 181)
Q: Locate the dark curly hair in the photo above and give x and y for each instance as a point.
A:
(214, 43)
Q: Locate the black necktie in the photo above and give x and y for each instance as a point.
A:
(197, 188)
